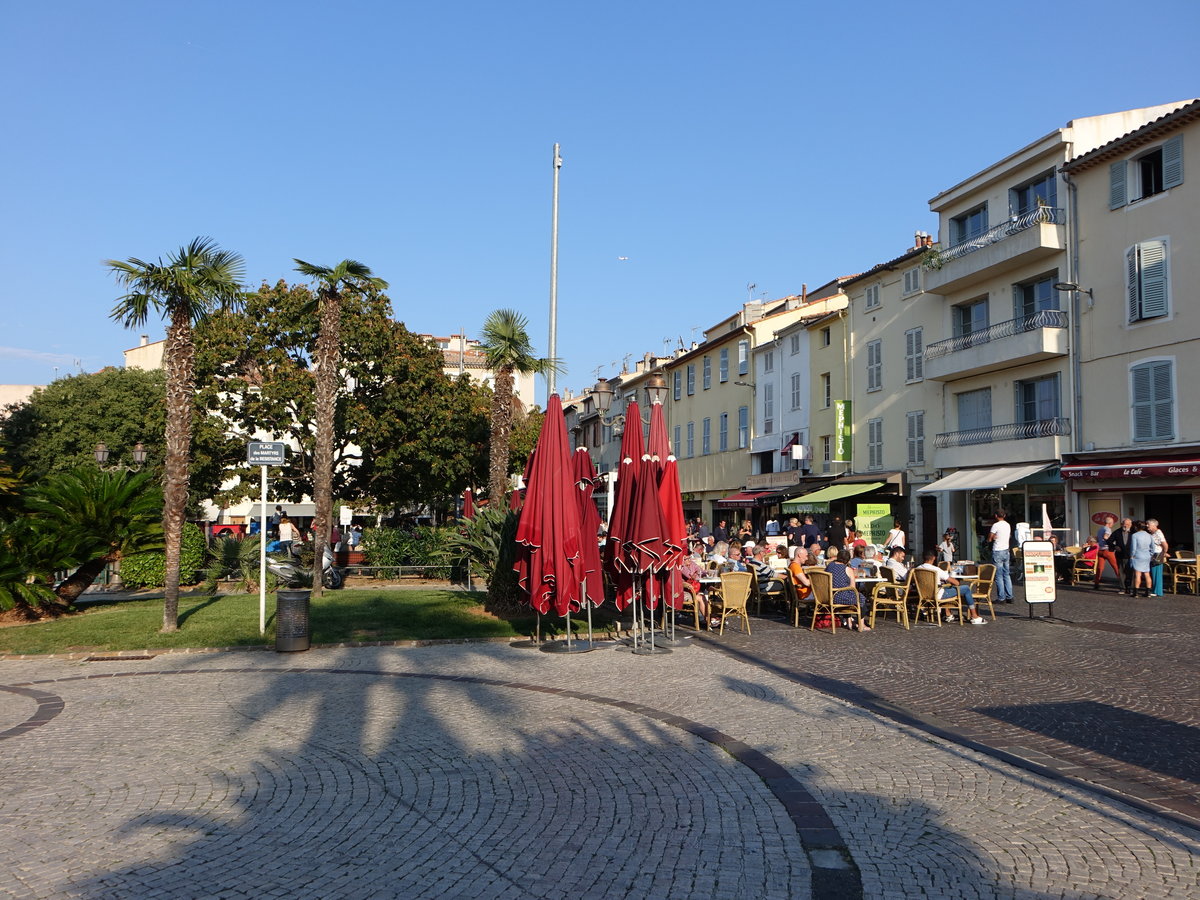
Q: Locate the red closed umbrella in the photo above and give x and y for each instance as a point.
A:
(589, 526)
(549, 563)
(468, 511)
(616, 561)
(671, 500)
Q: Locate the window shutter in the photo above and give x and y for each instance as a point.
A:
(1142, 421)
(1153, 277)
(1131, 283)
(1116, 185)
(1164, 401)
(918, 354)
(1172, 161)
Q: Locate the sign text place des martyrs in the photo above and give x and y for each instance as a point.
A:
(266, 453)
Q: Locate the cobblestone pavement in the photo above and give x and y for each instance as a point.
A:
(487, 771)
(1107, 691)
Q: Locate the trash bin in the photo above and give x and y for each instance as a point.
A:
(291, 621)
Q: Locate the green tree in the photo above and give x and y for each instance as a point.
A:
(57, 429)
(95, 518)
(186, 288)
(508, 350)
(334, 283)
(405, 435)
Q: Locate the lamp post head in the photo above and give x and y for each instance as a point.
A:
(101, 453)
(656, 388)
(139, 453)
(603, 393)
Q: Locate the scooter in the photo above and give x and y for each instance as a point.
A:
(285, 569)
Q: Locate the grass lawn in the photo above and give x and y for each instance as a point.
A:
(232, 620)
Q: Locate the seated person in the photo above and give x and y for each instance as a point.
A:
(800, 579)
(1092, 549)
(756, 563)
(858, 562)
(844, 590)
(949, 586)
(691, 572)
(896, 564)
(779, 559)
(734, 561)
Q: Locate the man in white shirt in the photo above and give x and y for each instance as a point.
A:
(949, 586)
(1000, 534)
(896, 564)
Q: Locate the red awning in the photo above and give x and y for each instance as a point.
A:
(1151, 468)
(792, 442)
(743, 498)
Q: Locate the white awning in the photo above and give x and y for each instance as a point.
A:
(997, 477)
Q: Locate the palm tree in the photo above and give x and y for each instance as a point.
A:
(94, 518)
(198, 280)
(347, 277)
(506, 345)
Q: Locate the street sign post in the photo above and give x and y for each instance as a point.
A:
(264, 454)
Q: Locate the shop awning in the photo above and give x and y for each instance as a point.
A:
(994, 478)
(830, 492)
(1150, 468)
(745, 498)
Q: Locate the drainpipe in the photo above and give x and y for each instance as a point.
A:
(1076, 366)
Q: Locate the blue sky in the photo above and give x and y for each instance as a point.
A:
(713, 144)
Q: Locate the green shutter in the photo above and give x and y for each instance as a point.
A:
(1172, 162)
(1153, 264)
(1116, 185)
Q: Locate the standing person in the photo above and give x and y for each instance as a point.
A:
(1158, 557)
(1119, 542)
(772, 527)
(721, 532)
(793, 530)
(837, 534)
(273, 522)
(946, 548)
(701, 529)
(1106, 554)
(895, 537)
(355, 537)
(1141, 547)
(1000, 535)
(287, 534)
(810, 534)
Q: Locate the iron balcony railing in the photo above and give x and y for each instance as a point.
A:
(1018, 431)
(1045, 318)
(1042, 215)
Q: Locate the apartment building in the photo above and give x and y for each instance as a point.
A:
(1137, 202)
(1002, 349)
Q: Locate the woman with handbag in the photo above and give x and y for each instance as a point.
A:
(1141, 547)
(1158, 558)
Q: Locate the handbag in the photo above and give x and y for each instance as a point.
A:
(1157, 559)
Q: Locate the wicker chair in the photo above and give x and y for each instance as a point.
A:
(890, 594)
(735, 595)
(930, 599)
(825, 602)
(983, 588)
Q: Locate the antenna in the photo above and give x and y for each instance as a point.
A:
(750, 291)
(625, 362)
(695, 328)
(596, 371)
(666, 346)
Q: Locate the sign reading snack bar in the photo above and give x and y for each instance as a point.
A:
(1037, 558)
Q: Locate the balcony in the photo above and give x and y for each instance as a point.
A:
(1022, 239)
(989, 446)
(1029, 339)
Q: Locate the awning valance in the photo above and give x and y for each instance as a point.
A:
(831, 492)
(994, 478)
(1150, 468)
(745, 498)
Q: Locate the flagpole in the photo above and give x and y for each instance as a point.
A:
(552, 353)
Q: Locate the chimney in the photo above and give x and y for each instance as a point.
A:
(145, 340)
(803, 293)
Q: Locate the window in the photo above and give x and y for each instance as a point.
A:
(826, 451)
(768, 408)
(797, 391)
(723, 432)
(743, 357)
(707, 372)
(743, 427)
(724, 365)
(916, 437)
(914, 355)
(969, 225)
(1153, 393)
(1031, 297)
(826, 336)
(691, 439)
(1153, 172)
(971, 318)
(675, 442)
(1041, 191)
(1146, 280)
(912, 280)
(706, 437)
(874, 365)
(691, 379)
(677, 379)
(1037, 400)
(795, 344)
(826, 391)
(769, 361)
(872, 296)
(975, 409)
(875, 443)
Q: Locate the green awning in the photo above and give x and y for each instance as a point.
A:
(830, 492)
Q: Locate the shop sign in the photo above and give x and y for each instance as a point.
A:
(842, 442)
(1101, 518)
(1143, 470)
(874, 520)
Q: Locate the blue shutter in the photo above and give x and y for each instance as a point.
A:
(1143, 426)
(1153, 265)
(1131, 284)
(1164, 401)
(1116, 185)
(1172, 162)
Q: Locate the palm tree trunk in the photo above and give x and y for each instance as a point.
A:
(179, 359)
(327, 357)
(502, 419)
(80, 580)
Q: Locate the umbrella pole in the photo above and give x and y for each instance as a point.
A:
(651, 611)
(591, 637)
(567, 619)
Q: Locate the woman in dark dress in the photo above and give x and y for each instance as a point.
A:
(844, 590)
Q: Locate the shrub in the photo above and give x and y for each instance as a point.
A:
(420, 546)
(150, 569)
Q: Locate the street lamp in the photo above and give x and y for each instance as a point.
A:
(656, 392)
(101, 454)
(749, 384)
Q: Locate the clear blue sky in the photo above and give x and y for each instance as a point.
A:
(713, 144)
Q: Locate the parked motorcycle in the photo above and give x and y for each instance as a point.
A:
(286, 569)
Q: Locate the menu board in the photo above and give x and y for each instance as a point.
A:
(1037, 557)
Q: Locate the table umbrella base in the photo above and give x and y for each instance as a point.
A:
(529, 644)
(677, 641)
(644, 649)
(578, 645)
